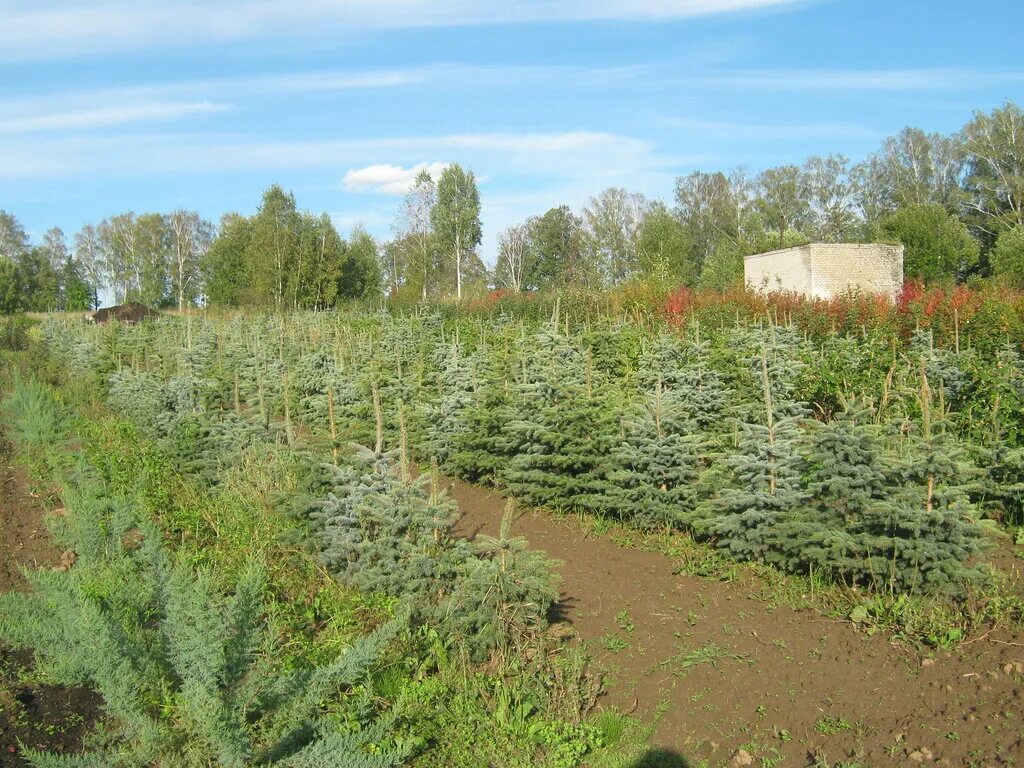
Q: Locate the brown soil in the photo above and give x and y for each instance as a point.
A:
(45, 717)
(719, 668)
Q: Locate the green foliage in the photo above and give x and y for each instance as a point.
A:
(556, 249)
(738, 432)
(564, 431)
(504, 593)
(455, 217)
(664, 249)
(33, 418)
(381, 532)
(938, 245)
(658, 464)
(189, 674)
(749, 516)
(1007, 257)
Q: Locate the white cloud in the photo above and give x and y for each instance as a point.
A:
(550, 155)
(762, 131)
(102, 117)
(854, 80)
(47, 29)
(388, 179)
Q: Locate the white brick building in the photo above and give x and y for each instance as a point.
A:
(824, 270)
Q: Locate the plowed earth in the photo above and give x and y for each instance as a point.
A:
(40, 716)
(719, 668)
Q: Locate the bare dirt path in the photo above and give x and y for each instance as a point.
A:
(40, 716)
(720, 670)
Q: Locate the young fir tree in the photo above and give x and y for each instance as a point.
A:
(997, 446)
(784, 351)
(504, 593)
(657, 465)
(446, 418)
(944, 368)
(483, 447)
(661, 362)
(190, 676)
(845, 480)
(920, 535)
(565, 431)
(767, 486)
(141, 398)
(381, 532)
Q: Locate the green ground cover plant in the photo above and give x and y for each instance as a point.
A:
(197, 610)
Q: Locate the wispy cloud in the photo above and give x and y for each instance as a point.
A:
(105, 117)
(770, 131)
(98, 107)
(853, 80)
(548, 155)
(47, 29)
(388, 179)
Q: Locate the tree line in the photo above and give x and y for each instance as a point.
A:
(956, 202)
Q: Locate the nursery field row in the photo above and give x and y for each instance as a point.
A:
(849, 458)
(743, 441)
(215, 629)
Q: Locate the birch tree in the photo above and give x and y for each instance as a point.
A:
(89, 255)
(995, 178)
(272, 252)
(116, 237)
(513, 245)
(191, 236)
(414, 229)
(456, 218)
(13, 240)
(830, 195)
(612, 222)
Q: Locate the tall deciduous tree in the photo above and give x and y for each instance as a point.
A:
(1007, 257)
(38, 282)
(360, 271)
(13, 240)
(414, 229)
(664, 248)
(612, 222)
(117, 238)
(995, 168)
(710, 207)
(782, 200)
(322, 253)
(89, 256)
(226, 269)
(556, 242)
(274, 245)
(395, 264)
(830, 195)
(10, 298)
(153, 259)
(190, 238)
(456, 218)
(513, 253)
(938, 245)
(911, 168)
(55, 247)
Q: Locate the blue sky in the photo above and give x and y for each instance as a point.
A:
(152, 105)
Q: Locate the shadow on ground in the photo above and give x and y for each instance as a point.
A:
(661, 758)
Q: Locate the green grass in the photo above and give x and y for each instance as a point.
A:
(711, 653)
(454, 714)
(830, 726)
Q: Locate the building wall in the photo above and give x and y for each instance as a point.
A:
(787, 269)
(824, 270)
